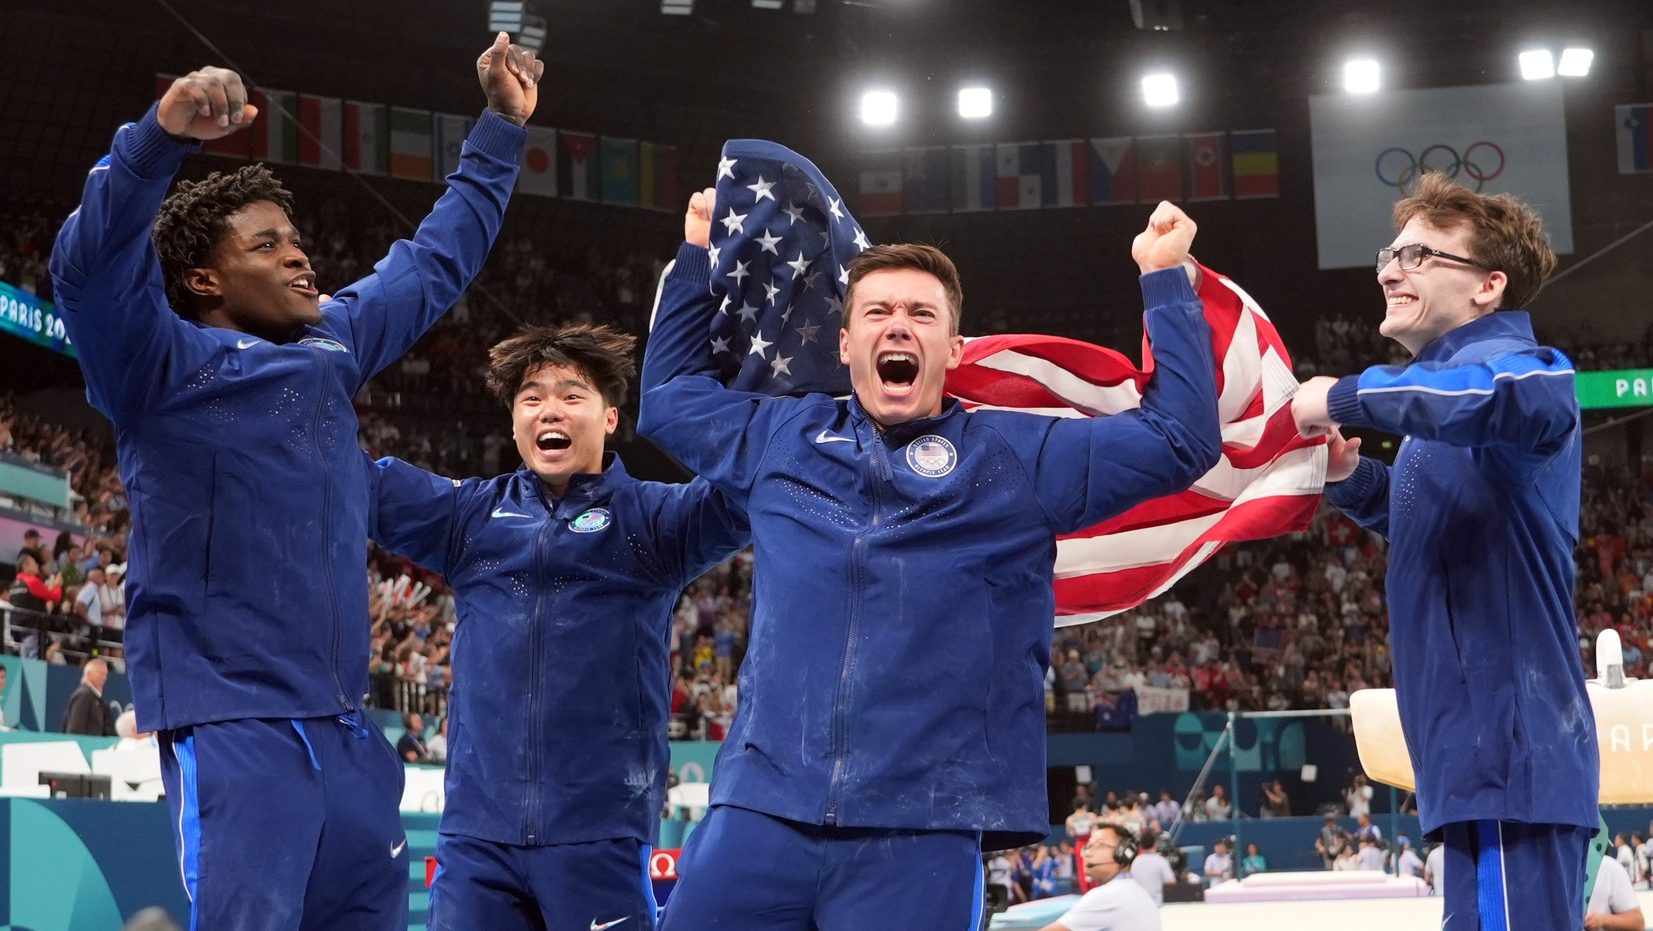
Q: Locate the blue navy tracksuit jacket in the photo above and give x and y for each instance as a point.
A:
(561, 656)
(1481, 511)
(903, 600)
(246, 592)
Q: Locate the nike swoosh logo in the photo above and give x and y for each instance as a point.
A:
(501, 512)
(607, 924)
(825, 437)
(245, 343)
(396, 851)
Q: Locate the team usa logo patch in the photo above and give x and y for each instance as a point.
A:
(322, 343)
(591, 521)
(931, 456)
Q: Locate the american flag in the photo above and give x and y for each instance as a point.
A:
(781, 241)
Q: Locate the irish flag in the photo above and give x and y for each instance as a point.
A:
(410, 144)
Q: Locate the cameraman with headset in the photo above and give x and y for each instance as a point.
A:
(1116, 903)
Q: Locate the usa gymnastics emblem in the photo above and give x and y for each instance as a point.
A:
(931, 456)
(323, 343)
(591, 521)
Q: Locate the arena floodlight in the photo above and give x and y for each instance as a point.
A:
(1575, 62)
(803, 6)
(1361, 76)
(975, 103)
(1159, 89)
(1537, 64)
(677, 7)
(879, 108)
(505, 16)
(767, 4)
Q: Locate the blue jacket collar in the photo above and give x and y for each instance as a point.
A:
(1516, 324)
(896, 434)
(586, 486)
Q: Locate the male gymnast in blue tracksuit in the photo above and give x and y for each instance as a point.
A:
(564, 576)
(1481, 512)
(229, 383)
(891, 723)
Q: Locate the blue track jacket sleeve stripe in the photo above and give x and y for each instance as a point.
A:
(717, 432)
(1364, 495)
(383, 314)
(107, 277)
(1087, 470)
(1523, 401)
(413, 512)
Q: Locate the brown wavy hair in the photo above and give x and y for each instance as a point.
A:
(1505, 234)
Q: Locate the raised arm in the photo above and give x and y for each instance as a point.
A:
(716, 432)
(105, 273)
(1090, 469)
(383, 314)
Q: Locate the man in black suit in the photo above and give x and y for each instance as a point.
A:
(88, 714)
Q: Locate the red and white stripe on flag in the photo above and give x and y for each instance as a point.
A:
(1268, 482)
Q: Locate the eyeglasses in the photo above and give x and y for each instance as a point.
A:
(1411, 256)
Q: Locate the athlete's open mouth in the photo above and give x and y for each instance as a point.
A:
(897, 369)
(553, 441)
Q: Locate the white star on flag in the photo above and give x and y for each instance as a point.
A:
(734, 222)
(740, 272)
(759, 344)
(761, 189)
(781, 365)
(726, 168)
(768, 241)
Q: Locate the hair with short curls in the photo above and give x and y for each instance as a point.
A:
(1504, 234)
(908, 255)
(192, 221)
(600, 352)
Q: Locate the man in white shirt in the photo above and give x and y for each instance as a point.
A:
(1117, 902)
(1152, 870)
(1219, 865)
(1613, 905)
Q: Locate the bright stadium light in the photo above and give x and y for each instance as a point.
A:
(677, 7)
(975, 103)
(878, 108)
(1360, 76)
(1537, 64)
(1575, 62)
(1159, 89)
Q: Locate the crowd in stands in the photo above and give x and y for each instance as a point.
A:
(1294, 622)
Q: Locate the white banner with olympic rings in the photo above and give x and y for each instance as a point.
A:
(1495, 138)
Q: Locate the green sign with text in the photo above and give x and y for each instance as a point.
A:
(1616, 388)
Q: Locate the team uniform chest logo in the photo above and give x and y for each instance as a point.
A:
(318, 342)
(591, 521)
(931, 456)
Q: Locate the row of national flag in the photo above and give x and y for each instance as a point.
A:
(420, 145)
(1071, 173)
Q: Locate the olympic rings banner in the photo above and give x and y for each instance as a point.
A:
(1495, 138)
